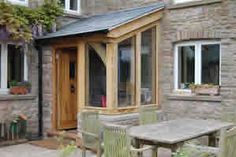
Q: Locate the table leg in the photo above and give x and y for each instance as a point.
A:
(212, 140)
(154, 152)
(137, 145)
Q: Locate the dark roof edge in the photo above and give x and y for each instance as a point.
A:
(104, 31)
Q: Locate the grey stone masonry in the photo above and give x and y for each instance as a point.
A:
(14, 105)
(208, 20)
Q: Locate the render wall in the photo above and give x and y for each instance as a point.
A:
(214, 21)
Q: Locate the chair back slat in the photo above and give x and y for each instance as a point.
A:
(90, 123)
(147, 115)
(116, 141)
(228, 143)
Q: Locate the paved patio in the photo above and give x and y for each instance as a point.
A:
(28, 150)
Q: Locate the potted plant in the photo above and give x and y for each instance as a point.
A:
(205, 89)
(19, 88)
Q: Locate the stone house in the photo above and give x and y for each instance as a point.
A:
(145, 56)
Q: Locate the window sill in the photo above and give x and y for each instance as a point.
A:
(192, 4)
(6, 97)
(72, 14)
(192, 97)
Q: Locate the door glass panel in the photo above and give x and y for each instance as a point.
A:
(72, 69)
(126, 72)
(148, 67)
(186, 66)
(96, 74)
(210, 64)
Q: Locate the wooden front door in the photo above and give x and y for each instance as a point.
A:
(66, 61)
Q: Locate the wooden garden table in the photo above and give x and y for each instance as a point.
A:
(172, 134)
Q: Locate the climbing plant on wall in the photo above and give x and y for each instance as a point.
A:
(21, 23)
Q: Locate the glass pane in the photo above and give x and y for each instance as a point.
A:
(210, 64)
(96, 74)
(73, 5)
(148, 67)
(15, 67)
(186, 67)
(126, 75)
(0, 64)
(63, 3)
(72, 69)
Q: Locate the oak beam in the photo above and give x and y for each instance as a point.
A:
(112, 76)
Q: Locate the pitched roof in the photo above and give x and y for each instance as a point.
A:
(104, 22)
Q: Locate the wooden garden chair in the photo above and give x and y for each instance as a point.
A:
(91, 132)
(117, 143)
(227, 147)
(147, 115)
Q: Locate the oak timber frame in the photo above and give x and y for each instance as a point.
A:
(112, 38)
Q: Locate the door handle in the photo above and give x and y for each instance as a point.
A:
(72, 88)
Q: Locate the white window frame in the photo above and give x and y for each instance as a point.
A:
(184, 1)
(4, 66)
(69, 11)
(198, 61)
(18, 2)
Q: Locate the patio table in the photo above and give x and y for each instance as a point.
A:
(172, 134)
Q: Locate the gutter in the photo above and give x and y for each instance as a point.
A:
(40, 91)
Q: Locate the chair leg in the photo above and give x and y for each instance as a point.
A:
(83, 152)
(99, 153)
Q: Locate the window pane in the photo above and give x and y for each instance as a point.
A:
(15, 67)
(96, 74)
(210, 64)
(63, 3)
(126, 73)
(0, 65)
(186, 67)
(148, 67)
(73, 5)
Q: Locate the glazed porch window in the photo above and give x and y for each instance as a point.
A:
(126, 72)
(198, 63)
(148, 66)
(96, 74)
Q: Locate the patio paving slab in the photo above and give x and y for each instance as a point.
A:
(28, 150)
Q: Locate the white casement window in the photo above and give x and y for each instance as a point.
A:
(13, 65)
(184, 1)
(19, 2)
(71, 6)
(196, 63)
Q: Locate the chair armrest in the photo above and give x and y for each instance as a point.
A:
(138, 150)
(89, 134)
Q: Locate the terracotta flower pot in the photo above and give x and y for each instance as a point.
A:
(19, 90)
(206, 90)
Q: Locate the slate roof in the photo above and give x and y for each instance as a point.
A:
(104, 22)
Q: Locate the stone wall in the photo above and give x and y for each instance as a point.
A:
(213, 21)
(14, 105)
(91, 7)
(47, 88)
